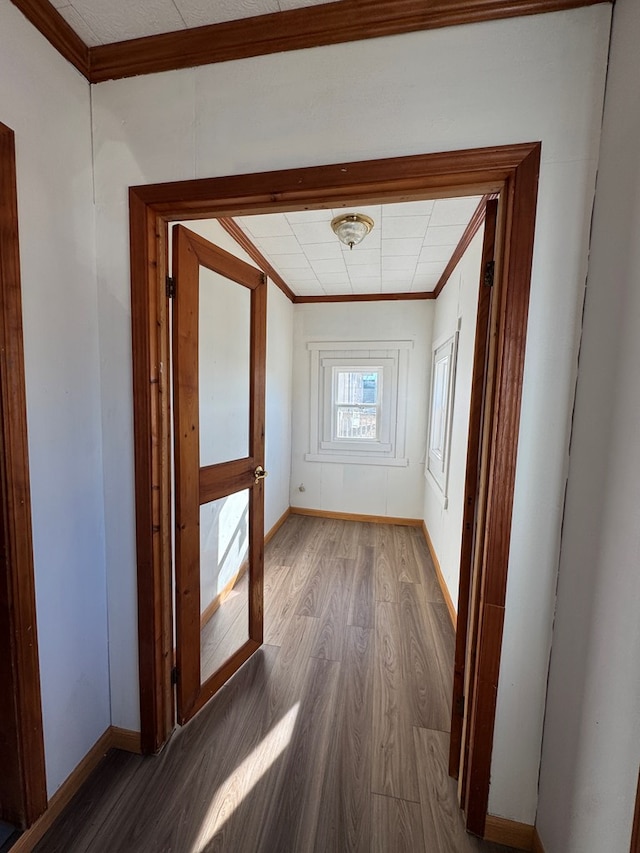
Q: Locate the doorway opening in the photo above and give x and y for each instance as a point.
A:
(510, 172)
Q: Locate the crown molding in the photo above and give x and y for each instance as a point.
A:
(295, 29)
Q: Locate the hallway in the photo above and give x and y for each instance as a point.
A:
(333, 737)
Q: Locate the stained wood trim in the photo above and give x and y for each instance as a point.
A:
(46, 18)
(23, 795)
(537, 845)
(635, 834)
(112, 738)
(328, 23)
(469, 233)
(443, 584)
(473, 508)
(511, 833)
(64, 794)
(513, 285)
(217, 481)
(364, 297)
(353, 516)
(152, 454)
(285, 515)
(509, 170)
(125, 739)
(232, 228)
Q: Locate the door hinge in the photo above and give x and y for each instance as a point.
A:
(174, 675)
(460, 706)
(264, 278)
(171, 287)
(489, 273)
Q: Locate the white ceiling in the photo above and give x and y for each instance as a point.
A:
(406, 252)
(105, 21)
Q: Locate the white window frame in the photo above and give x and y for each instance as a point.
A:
(391, 360)
(444, 355)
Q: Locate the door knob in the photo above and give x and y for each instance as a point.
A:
(260, 474)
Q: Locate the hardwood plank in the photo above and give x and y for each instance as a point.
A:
(345, 806)
(393, 770)
(362, 599)
(314, 595)
(431, 587)
(407, 568)
(385, 574)
(334, 614)
(442, 821)
(398, 826)
(427, 685)
(292, 823)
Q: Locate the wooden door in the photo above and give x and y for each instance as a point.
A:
(219, 350)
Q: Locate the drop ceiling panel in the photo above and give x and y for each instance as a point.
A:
(407, 250)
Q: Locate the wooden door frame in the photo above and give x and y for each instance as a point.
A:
(23, 787)
(512, 172)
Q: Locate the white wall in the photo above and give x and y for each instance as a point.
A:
(539, 77)
(365, 489)
(592, 730)
(47, 104)
(458, 301)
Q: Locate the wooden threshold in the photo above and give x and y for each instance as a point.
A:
(443, 584)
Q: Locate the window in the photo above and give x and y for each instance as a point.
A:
(358, 401)
(443, 370)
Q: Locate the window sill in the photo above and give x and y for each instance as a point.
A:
(356, 460)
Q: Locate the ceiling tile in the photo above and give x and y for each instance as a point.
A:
(120, 20)
(78, 23)
(313, 232)
(337, 289)
(444, 235)
(334, 279)
(279, 245)
(265, 225)
(430, 269)
(197, 13)
(364, 271)
(331, 265)
(372, 210)
(398, 275)
(399, 262)
(408, 208)
(296, 216)
(401, 247)
(323, 251)
(367, 256)
(367, 285)
(404, 226)
(437, 254)
(425, 282)
(454, 211)
(297, 262)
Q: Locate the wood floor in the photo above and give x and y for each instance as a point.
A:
(331, 739)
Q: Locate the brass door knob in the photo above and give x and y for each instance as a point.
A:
(260, 474)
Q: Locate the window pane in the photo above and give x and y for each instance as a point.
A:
(439, 406)
(357, 386)
(357, 422)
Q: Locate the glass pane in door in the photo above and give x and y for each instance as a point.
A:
(224, 337)
(224, 580)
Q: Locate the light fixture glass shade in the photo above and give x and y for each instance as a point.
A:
(352, 228)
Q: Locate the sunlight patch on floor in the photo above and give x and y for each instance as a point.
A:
(244, 778)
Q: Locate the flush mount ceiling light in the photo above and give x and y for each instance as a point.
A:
(352, 228)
